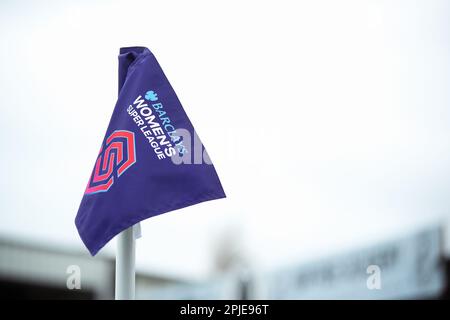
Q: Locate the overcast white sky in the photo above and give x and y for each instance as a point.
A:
(327, 121)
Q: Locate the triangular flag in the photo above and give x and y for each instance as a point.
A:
(151, 160)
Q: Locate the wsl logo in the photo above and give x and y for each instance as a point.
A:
(116, 156)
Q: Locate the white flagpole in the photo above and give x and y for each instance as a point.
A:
(125, 265)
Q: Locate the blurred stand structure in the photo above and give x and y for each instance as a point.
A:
(32, 271)
(412, 267)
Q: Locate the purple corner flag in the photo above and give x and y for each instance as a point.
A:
(151, 160)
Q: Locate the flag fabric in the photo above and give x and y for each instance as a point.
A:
(151, 160)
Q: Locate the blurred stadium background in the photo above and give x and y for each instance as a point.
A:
(412, 267)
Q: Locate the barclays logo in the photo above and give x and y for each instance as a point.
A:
(151, 96)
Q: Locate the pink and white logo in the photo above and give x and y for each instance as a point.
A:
(115, 157)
